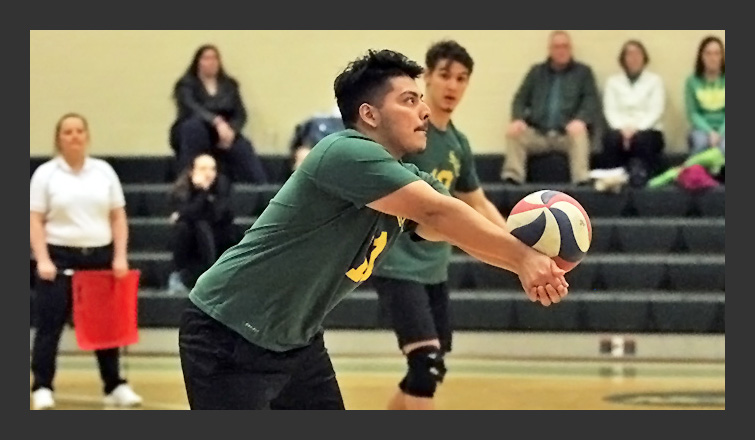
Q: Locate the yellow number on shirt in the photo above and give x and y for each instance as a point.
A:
(446, 177)
(364, 270)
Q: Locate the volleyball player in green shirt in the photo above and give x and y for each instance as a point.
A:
(411, 281)
(252, 337)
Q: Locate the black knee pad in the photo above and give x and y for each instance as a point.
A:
(426, 370)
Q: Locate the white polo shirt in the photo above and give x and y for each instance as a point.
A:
(76, 205)
(640, 104)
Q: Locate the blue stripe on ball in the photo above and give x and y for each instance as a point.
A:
(548, 195)
(569, 251)
(530, 233)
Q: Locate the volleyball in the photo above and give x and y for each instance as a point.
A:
(553, 223)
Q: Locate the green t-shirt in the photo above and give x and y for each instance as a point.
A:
(449, 158)
(706, 103)
(314, 243)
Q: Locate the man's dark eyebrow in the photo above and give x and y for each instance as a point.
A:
(415, 94)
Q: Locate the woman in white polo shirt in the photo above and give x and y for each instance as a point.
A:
(634, 102)
(77, 221)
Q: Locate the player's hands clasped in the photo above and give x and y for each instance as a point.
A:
(542, 279)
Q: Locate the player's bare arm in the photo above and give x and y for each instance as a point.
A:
(479, 201)
(441, 215)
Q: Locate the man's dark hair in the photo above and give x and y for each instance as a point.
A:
(448, 50)
(367, 79)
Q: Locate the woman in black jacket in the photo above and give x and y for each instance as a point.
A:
(210, 118)
(202, 220)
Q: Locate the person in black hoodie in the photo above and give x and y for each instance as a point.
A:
(211, 115)
(202, 221)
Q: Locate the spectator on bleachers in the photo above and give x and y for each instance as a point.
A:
(77, 220)
(705, 97)
(310, 131)
(633, 104)
(211, 115)
(555, 109)
(202, 221)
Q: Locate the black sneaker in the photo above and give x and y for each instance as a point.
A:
(638, 174)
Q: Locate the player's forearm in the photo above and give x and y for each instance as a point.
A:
(490, 212)
(480, 202)
(466, 228)
(38, 238)
(492, 260)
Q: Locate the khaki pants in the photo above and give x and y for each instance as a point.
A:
(531, 142)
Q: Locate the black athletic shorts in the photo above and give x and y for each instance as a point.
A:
(222, 370)
(418, 312)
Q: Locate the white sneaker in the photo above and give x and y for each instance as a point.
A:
(42, 399)
(123, 396)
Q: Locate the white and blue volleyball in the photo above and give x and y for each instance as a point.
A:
(553, 223)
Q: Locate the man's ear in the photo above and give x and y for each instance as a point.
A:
(369, 115)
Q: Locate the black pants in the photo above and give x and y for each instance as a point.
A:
(194, 136)
(222, 370)
(418, 312)
(197, 244)
(645, 150)
(53, 306)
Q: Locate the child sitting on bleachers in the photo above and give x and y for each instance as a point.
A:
(202, 221)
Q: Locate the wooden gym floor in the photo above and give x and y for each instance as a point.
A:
(368, 382)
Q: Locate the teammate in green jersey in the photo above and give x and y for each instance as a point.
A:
(411, 280)
(252, 337)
